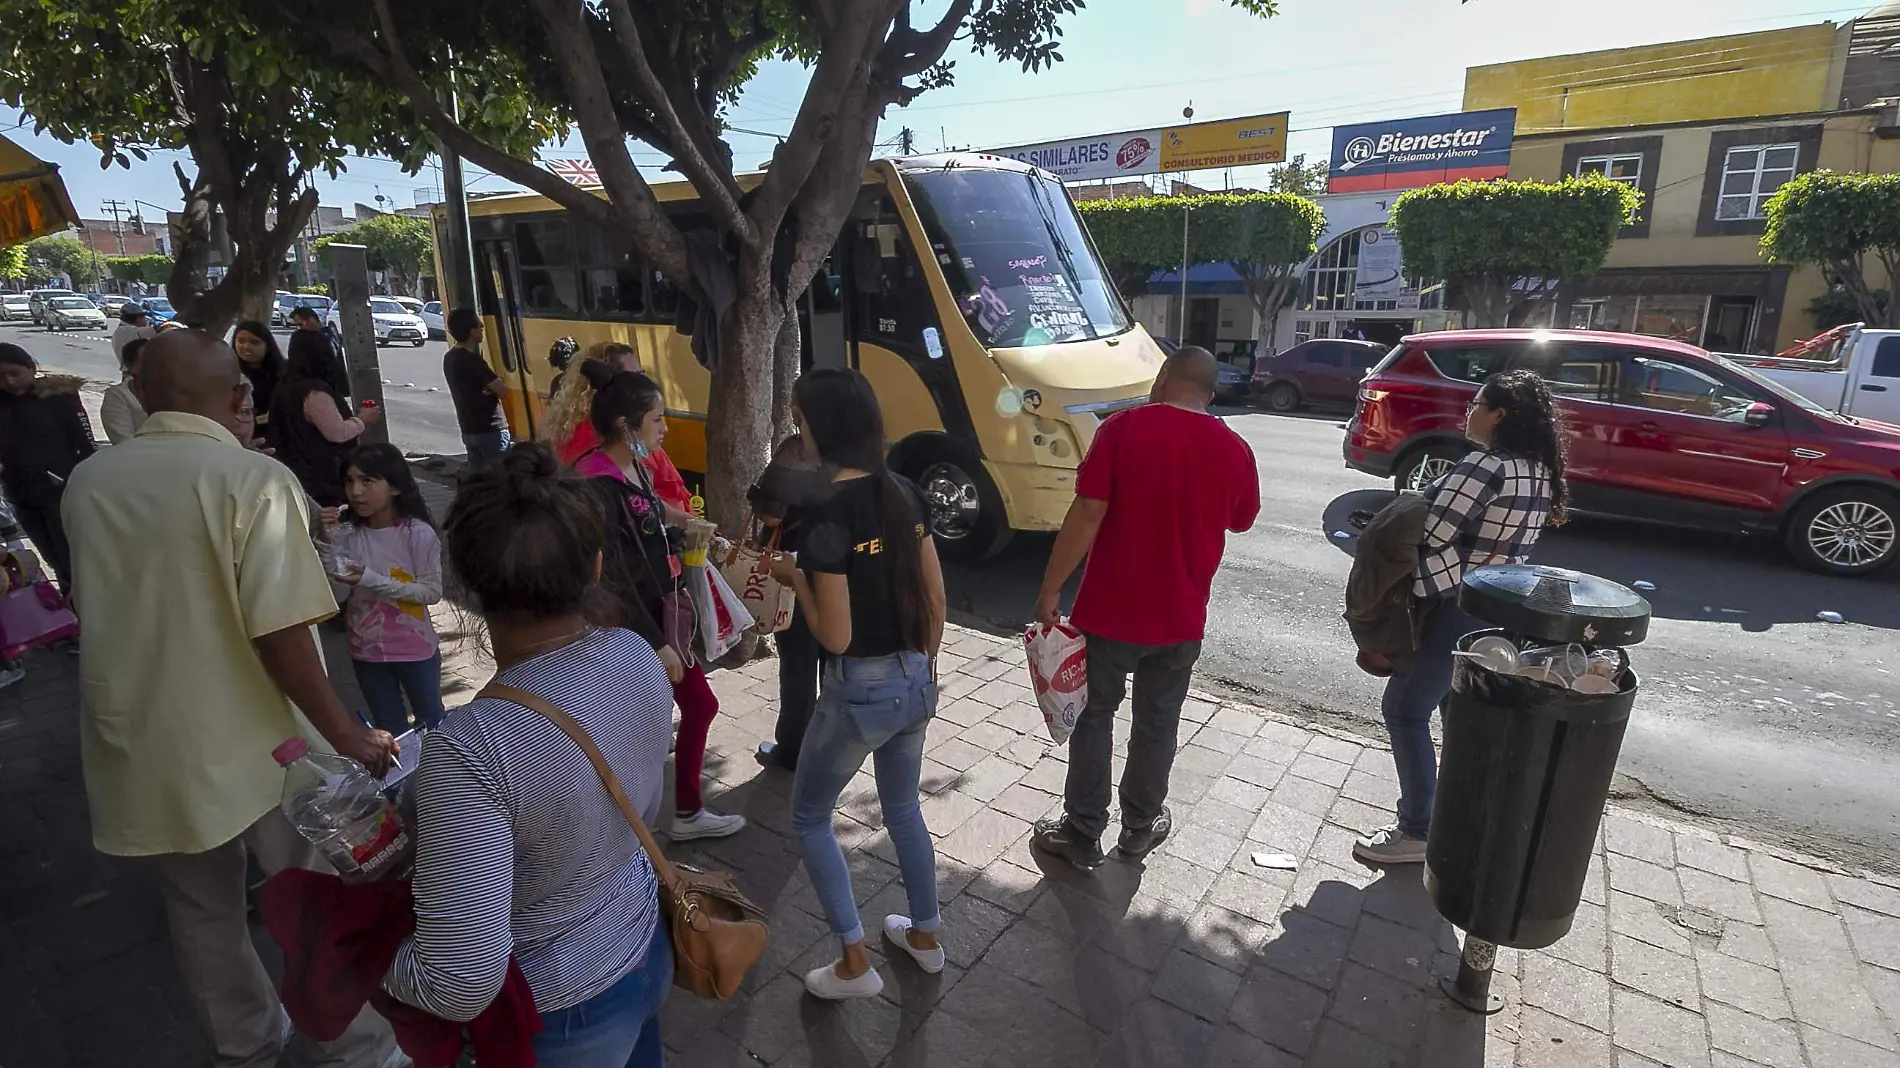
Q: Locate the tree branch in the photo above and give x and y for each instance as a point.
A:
(909, 53)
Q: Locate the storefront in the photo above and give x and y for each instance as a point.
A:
(1723, 309)
(1335, 301)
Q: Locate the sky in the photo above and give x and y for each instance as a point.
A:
(1129, 64)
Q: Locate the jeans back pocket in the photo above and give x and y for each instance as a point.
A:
(877, 720)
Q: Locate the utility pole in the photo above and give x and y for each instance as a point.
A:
(118, 230)
(906, 142)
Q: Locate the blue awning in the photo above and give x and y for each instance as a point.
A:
(1203, 280)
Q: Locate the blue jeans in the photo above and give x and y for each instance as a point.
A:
(1410, 697)
(485, 449)
(877, 707)
(618, 1026)
(385, 682)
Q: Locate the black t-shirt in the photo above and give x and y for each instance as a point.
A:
(844, 535)
(477, 411)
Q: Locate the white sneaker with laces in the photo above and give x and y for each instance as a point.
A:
(1388, 846)
(704, 824)
(827, 984)
(897, 930)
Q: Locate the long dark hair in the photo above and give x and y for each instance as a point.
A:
(847, 430)
(273, 361)
(523, 535)
(1532, 427)
(618, 395)
(386, 462)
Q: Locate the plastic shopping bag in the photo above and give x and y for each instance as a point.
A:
(713, 627)
(1059, 670)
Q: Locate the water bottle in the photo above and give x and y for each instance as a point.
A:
(339, 806)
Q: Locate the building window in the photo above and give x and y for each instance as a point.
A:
(1750, 175)
(1627, 169)
(1331, 283)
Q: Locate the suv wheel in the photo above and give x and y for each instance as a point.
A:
(1282, 397)
(1426, 466)
(1848, 531)
(966, 512)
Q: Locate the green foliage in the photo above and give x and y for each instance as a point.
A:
(154, 269)
(13, 263)
(49, 256)
(402, 245)
(1839, 221)
(1298, 176)
(1256, 232)
(1837, 307)
(1503, 247)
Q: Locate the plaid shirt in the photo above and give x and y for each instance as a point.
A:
(1488, 510)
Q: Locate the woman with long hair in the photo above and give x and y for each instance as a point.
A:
(871, 589)
(643, 571)
(520, 851)
(263, 365)
(567, 426)
(311, 426)
(1489, 509)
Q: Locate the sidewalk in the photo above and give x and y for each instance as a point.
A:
(1689, 950)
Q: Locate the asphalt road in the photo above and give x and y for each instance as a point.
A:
(416, 400)
(1754, 717)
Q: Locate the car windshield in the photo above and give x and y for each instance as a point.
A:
(1016, 257)
(387, 307)
(158, 304)
(14, 298)
(1774, 388)
(71, 302)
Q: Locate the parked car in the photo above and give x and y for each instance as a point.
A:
(15, 306)
(393, 322)
(414, 305)
(110, 303)
(1850, 369)
(432, 318)
(37, 298)
(280, 308)
(73, 313)
(1657, 431)
(314, 301)
(1321, 372)
(159, 310)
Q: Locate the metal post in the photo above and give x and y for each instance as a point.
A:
(458, 250)
(1180, 334)
(349, 267)
(1471, 987)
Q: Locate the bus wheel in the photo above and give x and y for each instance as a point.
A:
(966, 512)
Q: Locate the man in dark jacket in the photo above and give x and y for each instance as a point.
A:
(44, 434)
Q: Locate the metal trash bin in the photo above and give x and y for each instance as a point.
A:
(1527, 761)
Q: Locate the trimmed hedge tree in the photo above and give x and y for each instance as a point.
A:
(1504, 247)
(1838, 221)
(1263, 236)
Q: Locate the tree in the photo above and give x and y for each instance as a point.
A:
(13, 264)
(1298, 176)
(402, 245)
(662, 72)
(59, 254)
(1263, 236)
(1504, 247)
(153, 269)
(256, 119)
(1839, 221)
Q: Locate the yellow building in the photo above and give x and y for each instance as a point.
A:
(1707, 130)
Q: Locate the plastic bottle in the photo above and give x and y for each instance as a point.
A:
(339, 806)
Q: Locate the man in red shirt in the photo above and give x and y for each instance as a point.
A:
(1154, 499)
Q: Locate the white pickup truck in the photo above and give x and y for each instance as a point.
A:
(1850, 369)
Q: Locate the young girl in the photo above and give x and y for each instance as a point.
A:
(642, 572)
(389, 559)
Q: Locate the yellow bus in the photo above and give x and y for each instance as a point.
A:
(964, 287)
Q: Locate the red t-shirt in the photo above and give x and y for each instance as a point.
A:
(1176, 482)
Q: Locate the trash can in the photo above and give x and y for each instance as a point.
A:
(1532, 729)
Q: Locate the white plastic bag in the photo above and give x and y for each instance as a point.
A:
(1059, 671)
(712, 613)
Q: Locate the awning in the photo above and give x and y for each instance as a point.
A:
(33, 201)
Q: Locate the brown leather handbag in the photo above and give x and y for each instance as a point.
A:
(718, 933)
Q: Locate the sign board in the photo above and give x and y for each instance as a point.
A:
(1381, 265)
(1409, 153)
(1189, 147)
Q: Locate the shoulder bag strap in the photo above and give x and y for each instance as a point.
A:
(535, 703)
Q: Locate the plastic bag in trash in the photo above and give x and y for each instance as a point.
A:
(1059, 672)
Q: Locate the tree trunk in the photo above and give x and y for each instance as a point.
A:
(1488, 301)
(739, 412)
(786, 362)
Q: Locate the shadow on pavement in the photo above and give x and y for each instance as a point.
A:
(1720, 578)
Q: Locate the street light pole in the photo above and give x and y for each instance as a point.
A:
(1180, 334)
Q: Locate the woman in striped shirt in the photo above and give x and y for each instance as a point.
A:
(520, 852)
(1488, 510)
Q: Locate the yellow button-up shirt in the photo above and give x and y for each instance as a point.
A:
(186, 546)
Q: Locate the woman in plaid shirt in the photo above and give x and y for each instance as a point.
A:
(1488, 510)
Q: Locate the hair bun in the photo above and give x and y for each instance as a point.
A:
(597, 373)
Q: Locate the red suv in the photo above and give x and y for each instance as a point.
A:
(1321, 372)
(1657, 431)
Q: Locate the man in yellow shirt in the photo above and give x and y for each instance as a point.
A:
(199, 588)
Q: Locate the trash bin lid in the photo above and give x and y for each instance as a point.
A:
(1555, 604)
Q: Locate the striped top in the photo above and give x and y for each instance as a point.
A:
(519, 848)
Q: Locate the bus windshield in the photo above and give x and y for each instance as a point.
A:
(1016, 257)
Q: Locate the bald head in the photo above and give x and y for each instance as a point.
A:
(1187, 378)
(190, 371)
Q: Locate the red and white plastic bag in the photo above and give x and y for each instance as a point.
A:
(1059, 670)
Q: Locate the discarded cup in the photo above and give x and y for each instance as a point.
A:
(1495, 653)
(1593, 684)
(1830, 617)
(1276, 861)
(1646, 587)
(1540, 673)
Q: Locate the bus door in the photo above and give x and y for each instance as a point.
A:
(495, 283)
(823, 318)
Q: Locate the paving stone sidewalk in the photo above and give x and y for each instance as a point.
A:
(1690, 950)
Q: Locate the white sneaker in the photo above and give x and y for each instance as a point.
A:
(704, 824)
(896, 928)
(1387, 846)
(825, 983)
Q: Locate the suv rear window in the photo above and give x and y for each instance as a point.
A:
(1470, 363)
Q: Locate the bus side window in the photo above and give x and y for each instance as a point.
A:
(892, 306)
(610, 273)
(663, 297)
(544, 255)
